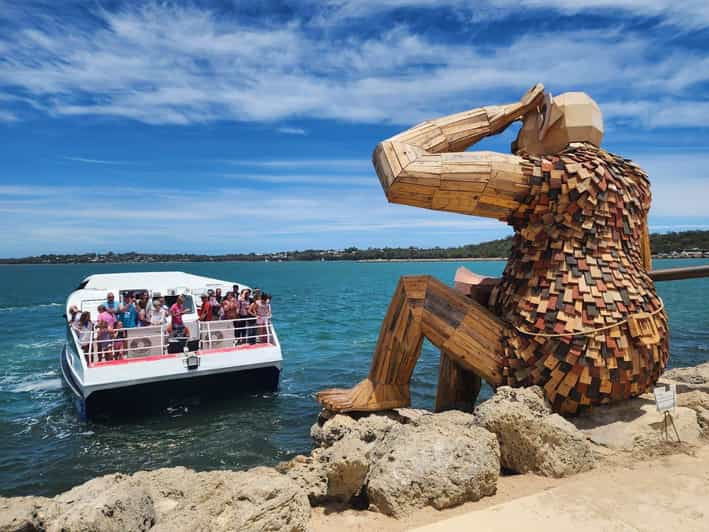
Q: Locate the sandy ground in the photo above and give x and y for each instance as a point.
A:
(627, 492)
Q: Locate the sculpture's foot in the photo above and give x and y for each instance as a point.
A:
(365, 397)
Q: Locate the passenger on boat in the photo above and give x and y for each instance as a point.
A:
(158, 313)
(263, 314)
(104, 315)
(242, 305)
(83, 328)
(128, 313)
(104, 340)
(223, 309)
(214, 304)
(231, 311)
(120, 341)
(143, 318)
(74, 314)
(176, 312)
(235, 289)
(252, 328)
(205, 311)
(110, 304)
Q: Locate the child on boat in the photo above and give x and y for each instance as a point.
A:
(120, 342)
(104, 340)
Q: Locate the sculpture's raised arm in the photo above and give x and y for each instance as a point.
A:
(426, 167)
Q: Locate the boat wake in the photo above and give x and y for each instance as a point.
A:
(25, 307)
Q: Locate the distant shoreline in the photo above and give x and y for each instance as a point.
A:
(683, 245)
(462, 259)
(374, 261)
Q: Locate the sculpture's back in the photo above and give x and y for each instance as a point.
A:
(586, 321)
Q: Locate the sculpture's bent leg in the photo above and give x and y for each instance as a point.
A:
(458, 387)
(422, 306)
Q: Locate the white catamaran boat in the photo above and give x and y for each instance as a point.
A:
(128, 369)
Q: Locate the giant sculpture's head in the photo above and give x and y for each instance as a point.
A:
(559, 121)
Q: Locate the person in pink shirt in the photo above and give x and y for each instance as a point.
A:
(106, 316)
(177, 326)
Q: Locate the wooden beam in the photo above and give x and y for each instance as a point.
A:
(678, 274)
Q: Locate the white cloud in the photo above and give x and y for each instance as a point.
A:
(57, 219)
(688, 14)
(309, 179)
(183, 65)
(7, 116)
(93, 161)
(333, 165)
(679, 182)
(292, 130)
(658, 114)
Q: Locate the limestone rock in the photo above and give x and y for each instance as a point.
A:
(696, 400)
(688, 379)
(531, 437)
(258, 499)
(435, 462)
(346, 466)
(699, 402)
(25, 514)
(108, 503)
(636, 423)
(450, 419)
(308, 472)
(367, 428)
(332, 474)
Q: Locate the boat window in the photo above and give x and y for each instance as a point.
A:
(82, 284)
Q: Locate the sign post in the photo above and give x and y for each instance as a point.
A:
(666, 401)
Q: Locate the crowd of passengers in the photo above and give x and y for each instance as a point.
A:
(249, 313)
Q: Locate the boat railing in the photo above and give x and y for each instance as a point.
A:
(223, 333)
(159, 340)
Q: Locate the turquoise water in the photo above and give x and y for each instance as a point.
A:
(327, 316)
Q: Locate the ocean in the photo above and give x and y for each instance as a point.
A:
(327, 315)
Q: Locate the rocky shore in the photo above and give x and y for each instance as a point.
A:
(392, 463)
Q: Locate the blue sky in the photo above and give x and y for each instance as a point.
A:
(248, 126)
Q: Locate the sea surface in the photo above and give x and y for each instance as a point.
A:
(327, 315)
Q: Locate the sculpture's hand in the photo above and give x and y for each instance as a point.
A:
(532, 98)
(501, 116)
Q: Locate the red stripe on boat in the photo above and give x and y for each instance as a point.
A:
(121, 361)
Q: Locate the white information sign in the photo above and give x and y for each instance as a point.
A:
(665, 397)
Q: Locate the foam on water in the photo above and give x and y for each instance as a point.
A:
(38, 306)
(39, 386)
(40, 344)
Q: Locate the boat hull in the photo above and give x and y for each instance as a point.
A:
(152, 397)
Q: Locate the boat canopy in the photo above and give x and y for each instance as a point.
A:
(155, 281)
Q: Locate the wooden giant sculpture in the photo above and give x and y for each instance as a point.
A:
(575, 310)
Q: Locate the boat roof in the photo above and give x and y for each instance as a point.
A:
(156, 281)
